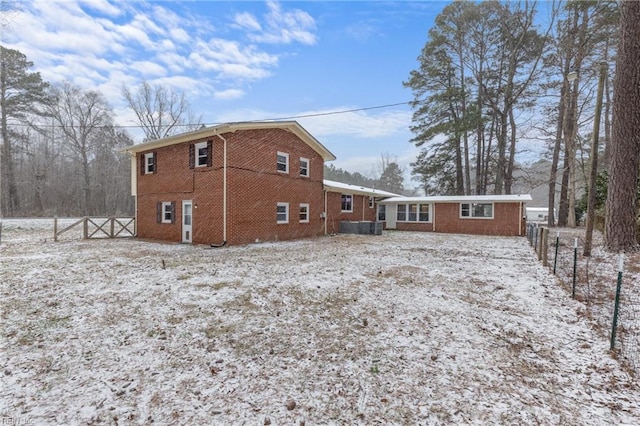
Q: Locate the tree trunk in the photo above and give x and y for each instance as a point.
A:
(553, 177)
(508, 180)
(620, 222)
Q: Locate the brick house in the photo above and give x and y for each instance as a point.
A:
(234, 183)
(472, 214)
(345, 202)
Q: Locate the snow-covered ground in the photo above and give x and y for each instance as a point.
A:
(403, 328)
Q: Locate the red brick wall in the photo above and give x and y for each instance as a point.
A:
(253, 188)
(506, 220)
(414, 226)
(335, 214)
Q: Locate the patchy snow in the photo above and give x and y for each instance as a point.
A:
(403, 328)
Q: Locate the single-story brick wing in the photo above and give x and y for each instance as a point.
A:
(468, 214)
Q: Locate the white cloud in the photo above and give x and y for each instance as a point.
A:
(246, 21)
(282, 27)
(229, 94)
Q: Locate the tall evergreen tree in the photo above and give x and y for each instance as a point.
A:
(620, 224)
(391, 179)
(22, 93)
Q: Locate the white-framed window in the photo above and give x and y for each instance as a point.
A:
(201, 154)
(282, 213)
(372, 202)
(304, 167)
(382, 212)
(149, 163)
(167, 212)
(282, 160)
(412, 213)
(476, 210)
(401, 213)
(347, 202)
(304, 213)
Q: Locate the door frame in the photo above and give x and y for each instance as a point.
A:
(187, 230)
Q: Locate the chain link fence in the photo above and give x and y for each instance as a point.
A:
(594, 280)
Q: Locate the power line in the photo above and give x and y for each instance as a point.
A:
(291, 117)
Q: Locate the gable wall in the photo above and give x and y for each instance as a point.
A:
(253, 188)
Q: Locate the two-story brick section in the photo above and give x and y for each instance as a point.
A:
(234, 183)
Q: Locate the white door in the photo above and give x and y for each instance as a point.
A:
(187, 219)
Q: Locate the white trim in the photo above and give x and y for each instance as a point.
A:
(147, 156)
(187, 229)
(351, 209)
(196, 148)
(460, 199)
(306, 206)
(286, 163)
(166, 204)
(307, 169)
(417, 220)
(286, 212)
(471, 216)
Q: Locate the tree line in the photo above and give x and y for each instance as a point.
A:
(494, 74)
(60, 153)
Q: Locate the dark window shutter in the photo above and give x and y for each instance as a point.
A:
(142, 164)
(159, 212)
(173, 212)
(155, 162)
(192, 156)
(209, 153)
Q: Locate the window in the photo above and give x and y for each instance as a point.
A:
(149, 163)
(347, 203)
(371, 202)
(401, 215)
(282, 213)
(477, 210)
(200, 154)
(413, 213)
(382, 212)
(304, 213)
(282, 159)
(423, 215)
(166, 212)
(304, 167)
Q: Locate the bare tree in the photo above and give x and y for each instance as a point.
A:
(620, 224)
(161, 112)
(81, 115)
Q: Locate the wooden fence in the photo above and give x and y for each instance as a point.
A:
(110, 227)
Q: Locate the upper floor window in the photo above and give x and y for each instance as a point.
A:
(282, 213)
(476, 210)
(347, 202)
(304, 167)
(282, 160)
(200, 154)
(149, 163)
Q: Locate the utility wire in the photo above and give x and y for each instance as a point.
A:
(291, 117)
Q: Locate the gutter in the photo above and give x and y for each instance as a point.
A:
(224, 193)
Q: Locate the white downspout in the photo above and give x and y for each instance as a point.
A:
(520, 221)
(326, 212)
(224, 189)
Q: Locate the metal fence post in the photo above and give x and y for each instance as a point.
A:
(555, 259)
(575, 264)
(616, 307)
(55, 228)
(545, 246)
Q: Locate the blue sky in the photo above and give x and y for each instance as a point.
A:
(244, 61)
